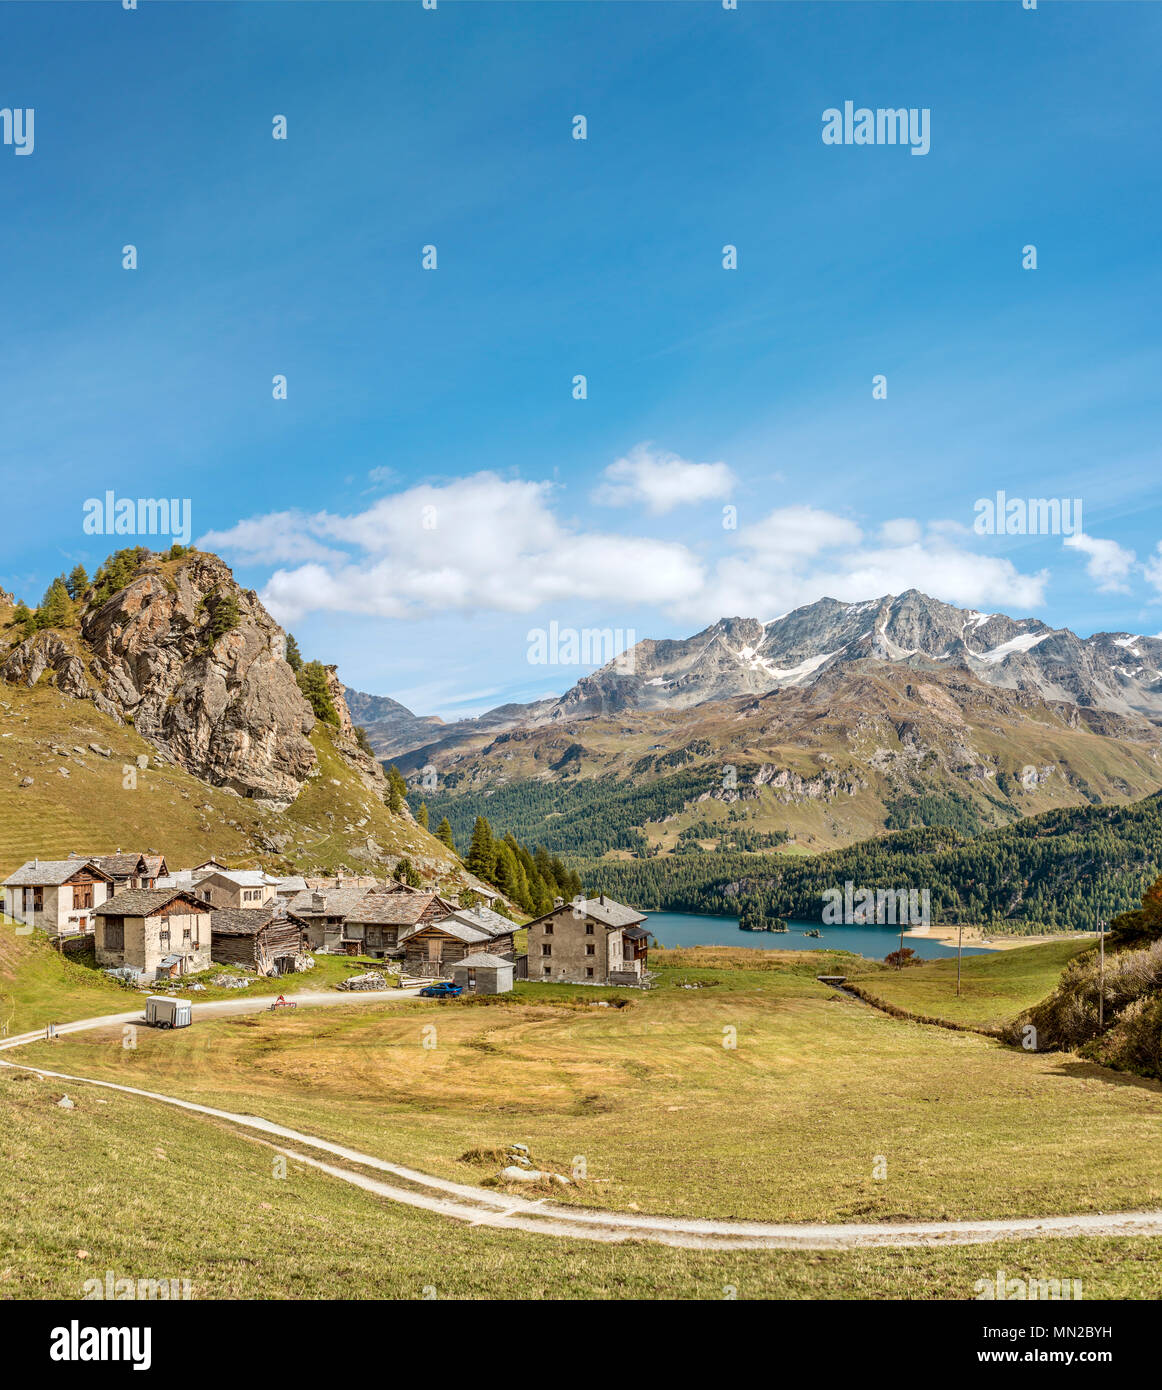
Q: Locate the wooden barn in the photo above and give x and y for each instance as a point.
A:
(265, 939)
(433, 948)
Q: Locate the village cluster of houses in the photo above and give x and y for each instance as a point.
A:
(149, 924)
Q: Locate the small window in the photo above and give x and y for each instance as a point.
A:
(186, 933)
(589, 973)
(548, 970)
(548, 928)
(590, 950)
(38, 899)
(546, 950)
(588, 928)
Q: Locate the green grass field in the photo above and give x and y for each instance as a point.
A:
(994, 987)
(789, 1123)
(39, 985)
(147, 1192)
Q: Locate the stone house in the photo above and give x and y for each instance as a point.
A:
(160, 932)
(266, 939)
(57, 895)
(382, 919)
(325, 911)
(129, 869)
(595, 942)
(236, 887)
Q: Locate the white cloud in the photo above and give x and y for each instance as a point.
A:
(794, 533)
(1109, 564)
(800, 554)
(902, 531)
(475, 544)
(1153, 568)
(661, 481)
(487, 544)
(277, 538)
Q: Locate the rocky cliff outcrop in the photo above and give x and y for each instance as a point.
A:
(196, 663)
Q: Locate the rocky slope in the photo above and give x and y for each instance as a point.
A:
(196, 664)
(391, 727)
(163, 714)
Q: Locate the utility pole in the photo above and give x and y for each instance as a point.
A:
(959, 943)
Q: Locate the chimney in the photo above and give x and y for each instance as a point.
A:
(601, 899)
(558, 902)
(318, 902)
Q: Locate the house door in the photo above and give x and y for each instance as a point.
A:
(434, 950)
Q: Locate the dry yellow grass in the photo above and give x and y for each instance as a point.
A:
(791, 1123)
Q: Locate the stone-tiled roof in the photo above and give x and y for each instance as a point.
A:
(389, 908)
(242, 878)
(452, 926)
(248, 921)
(610, 913)
(143, 902)
(119, 865)
(337, 902)
(481, 959)
(484, 918)
(50, 873)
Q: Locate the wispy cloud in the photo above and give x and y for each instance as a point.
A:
(660, 481)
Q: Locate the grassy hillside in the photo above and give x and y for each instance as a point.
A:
(104, 802)
(158, 1194)
(39, 985)
(786, 1125)
(994, 988)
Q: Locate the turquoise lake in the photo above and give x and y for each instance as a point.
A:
(694, 929)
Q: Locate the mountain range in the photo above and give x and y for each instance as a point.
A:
(840, 719)
(1115, 671)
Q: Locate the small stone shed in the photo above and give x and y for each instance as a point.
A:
(484, 973)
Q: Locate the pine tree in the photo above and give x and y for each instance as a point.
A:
(77, 582)
(482, 852)
(312, 679)
(294, 657)
(24, 618)
(55, 608)
(405, 872)
(422, 815)
(444, 834)
(397, 790)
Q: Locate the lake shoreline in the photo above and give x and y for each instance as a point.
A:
(981, 939)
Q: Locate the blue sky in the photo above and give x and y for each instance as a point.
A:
(451, 389)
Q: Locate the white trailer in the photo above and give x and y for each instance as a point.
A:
(164, 1012)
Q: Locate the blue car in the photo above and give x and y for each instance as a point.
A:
(444, 990)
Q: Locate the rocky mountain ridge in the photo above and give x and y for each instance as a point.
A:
(1117, 672)
(198, 667)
